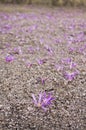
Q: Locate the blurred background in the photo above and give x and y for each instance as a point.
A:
(47, 2)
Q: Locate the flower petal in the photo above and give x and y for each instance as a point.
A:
(34, 99)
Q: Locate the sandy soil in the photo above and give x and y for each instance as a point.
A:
(45, 43)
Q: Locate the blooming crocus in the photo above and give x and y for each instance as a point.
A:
(70, 75)
(58, 67)
(49, 49)
(31, 50)
(72, 49)
(66, 60)
(18, 50)
(72, 65)
(41, 80)
(9, 58)
(29, 64)
(7, 45)
(41, 61)
(43, 101)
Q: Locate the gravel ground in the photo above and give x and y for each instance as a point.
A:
(46, 44)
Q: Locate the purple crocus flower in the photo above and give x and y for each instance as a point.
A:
(71, 49)
(41, 61)
(43, 101)
(58, 67)
(49, 49)
(18, 50)
(43, 80)
(29, 64)
(72, 65)
(70, 75)
(31, 50)
(66, 60)
(9, 58)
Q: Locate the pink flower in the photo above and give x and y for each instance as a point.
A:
(41, 61)
(72, 65)
(18, 50)
(49, 49)
(41, 80)
(31, 50)
(29, 64)
(72, 49)
(9, 58)
(58, 67)
(70, 75)
(66, 60)
(43, 101)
